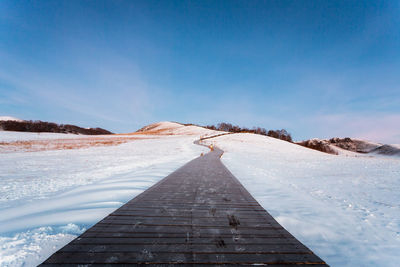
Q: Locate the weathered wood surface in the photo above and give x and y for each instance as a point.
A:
(199, 214)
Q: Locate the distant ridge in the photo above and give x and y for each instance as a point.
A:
(389, 150)
(13, 124)
(342, 145)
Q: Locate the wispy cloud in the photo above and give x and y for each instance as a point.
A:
(112, 91)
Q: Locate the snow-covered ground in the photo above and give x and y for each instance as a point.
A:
(346, 209)
(47, 198)
(10, 136)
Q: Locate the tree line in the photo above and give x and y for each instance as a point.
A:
(51, 127)
(228, 127)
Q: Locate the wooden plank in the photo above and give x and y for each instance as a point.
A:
(214, 247)
(93, 233)
(87, 239)
(198, 223)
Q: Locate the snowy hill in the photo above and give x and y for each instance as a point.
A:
(350, 147)
(388, 150)
(9, 118)
(174, 128)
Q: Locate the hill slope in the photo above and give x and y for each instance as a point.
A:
(174, 128)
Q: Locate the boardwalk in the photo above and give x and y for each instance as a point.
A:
(199, 214)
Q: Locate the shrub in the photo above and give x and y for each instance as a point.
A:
(228, 127)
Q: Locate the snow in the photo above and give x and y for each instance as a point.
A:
(9, 118)
(165, 125)
(344, 152)
(11, 136)
(27, 248)
(47, 198)
(346, 209)
(173, 128)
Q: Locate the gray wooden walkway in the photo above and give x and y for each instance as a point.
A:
(199, 214)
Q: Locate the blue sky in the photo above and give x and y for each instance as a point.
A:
(316, 68)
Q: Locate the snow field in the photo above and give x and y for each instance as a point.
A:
(346, 209)
(47, 198)
(10, 136)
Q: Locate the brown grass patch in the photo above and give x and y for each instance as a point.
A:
(164, 131)
(61, 144)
